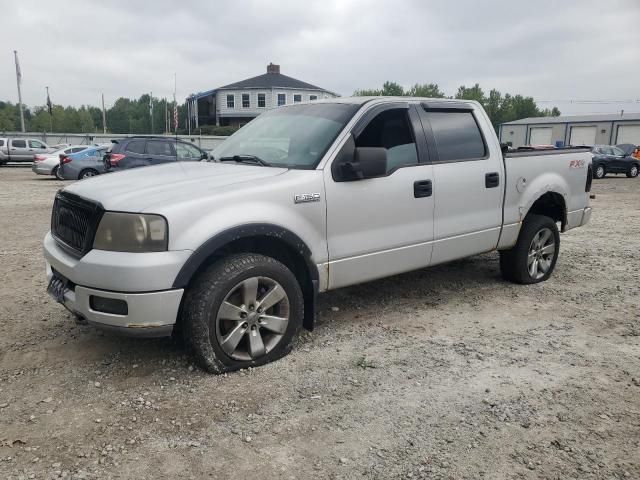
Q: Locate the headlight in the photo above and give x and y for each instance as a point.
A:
(131, 232)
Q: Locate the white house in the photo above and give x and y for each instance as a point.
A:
(237, 103)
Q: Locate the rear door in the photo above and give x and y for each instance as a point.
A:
(19, 150)
(134, 155)
(159, 151)
(468, 182)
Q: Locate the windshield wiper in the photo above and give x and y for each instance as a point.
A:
(252, 159)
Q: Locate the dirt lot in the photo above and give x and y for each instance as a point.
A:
(442, 373)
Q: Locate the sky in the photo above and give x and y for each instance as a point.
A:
(566, 52)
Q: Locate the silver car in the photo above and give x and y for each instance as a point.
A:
(48, 163)
(84, 164)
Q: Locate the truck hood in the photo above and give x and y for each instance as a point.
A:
(139, 189)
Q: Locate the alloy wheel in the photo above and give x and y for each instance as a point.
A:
(252, 318)
(634, 171)
(600, 171)
(541, 253)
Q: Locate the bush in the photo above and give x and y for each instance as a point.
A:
(213, 130)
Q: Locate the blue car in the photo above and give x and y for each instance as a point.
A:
(85, 164)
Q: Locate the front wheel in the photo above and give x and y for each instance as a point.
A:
(242, 311)
(534, 255)
(633, 171)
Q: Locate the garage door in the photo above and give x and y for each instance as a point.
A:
(582, 136)
(540, 136)
(628, 134)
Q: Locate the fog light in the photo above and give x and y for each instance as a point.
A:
(108, 305)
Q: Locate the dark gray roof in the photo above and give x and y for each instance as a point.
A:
(271, 80)
(595, 117)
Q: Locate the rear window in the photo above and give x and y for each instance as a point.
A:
(19, 143)
(457, 136)
(135, 146)
(155, 147)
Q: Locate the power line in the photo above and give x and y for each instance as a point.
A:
(588, 102)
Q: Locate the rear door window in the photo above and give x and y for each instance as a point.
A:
(159, 147)
(187, 151)
(77, 149)
(19, 143)
(135, 146)
(457, 136)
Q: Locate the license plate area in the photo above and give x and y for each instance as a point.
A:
(57, 288)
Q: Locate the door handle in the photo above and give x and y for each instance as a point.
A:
(492, 180)
(422, 188)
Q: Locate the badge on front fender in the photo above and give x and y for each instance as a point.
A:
(306, 197)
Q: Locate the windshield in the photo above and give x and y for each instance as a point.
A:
(292, 137)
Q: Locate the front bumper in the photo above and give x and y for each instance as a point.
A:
(142, 280)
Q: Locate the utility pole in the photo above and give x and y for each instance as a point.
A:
(104, 117)
(166, 117)
(50, 108)
(19, 81)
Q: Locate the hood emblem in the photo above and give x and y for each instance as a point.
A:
(306, 197)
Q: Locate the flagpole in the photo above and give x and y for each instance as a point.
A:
(104, 117)
(19, 81)
(50, 108)
(151, 110)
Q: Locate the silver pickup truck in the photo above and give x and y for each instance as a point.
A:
(21, 149)
(304, 199)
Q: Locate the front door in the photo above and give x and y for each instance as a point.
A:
(381, 226)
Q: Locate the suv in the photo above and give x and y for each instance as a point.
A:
(133, 152)
(610, 159)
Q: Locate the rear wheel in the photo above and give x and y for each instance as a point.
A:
(87, 173)
(534, 256)
(243, 311)
(599, 171)
(54, 172)
(633, 171)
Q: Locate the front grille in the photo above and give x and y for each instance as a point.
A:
(74, 221)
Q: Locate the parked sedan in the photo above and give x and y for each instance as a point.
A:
(85, 164)
(608, 159)
(48, 163)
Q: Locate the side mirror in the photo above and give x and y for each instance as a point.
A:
(359, 163)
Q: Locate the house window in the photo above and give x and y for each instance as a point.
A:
(282, 99)
(313, 97)
(297, 98)
(231, 101)
(246, 102)
(262, 100)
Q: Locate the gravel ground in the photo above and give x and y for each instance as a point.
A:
(442, 373)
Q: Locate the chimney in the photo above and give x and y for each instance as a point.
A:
(272, 68)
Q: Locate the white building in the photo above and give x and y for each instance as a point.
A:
(596, 129)
(237, 103)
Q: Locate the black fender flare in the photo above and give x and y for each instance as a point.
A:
(293, 241)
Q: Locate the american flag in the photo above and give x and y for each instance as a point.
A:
(175, 115)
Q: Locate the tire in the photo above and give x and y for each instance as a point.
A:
(514, 263)
(87, 173)
(230, 282)
(633, 171)
(54, 172)
(599, 172)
